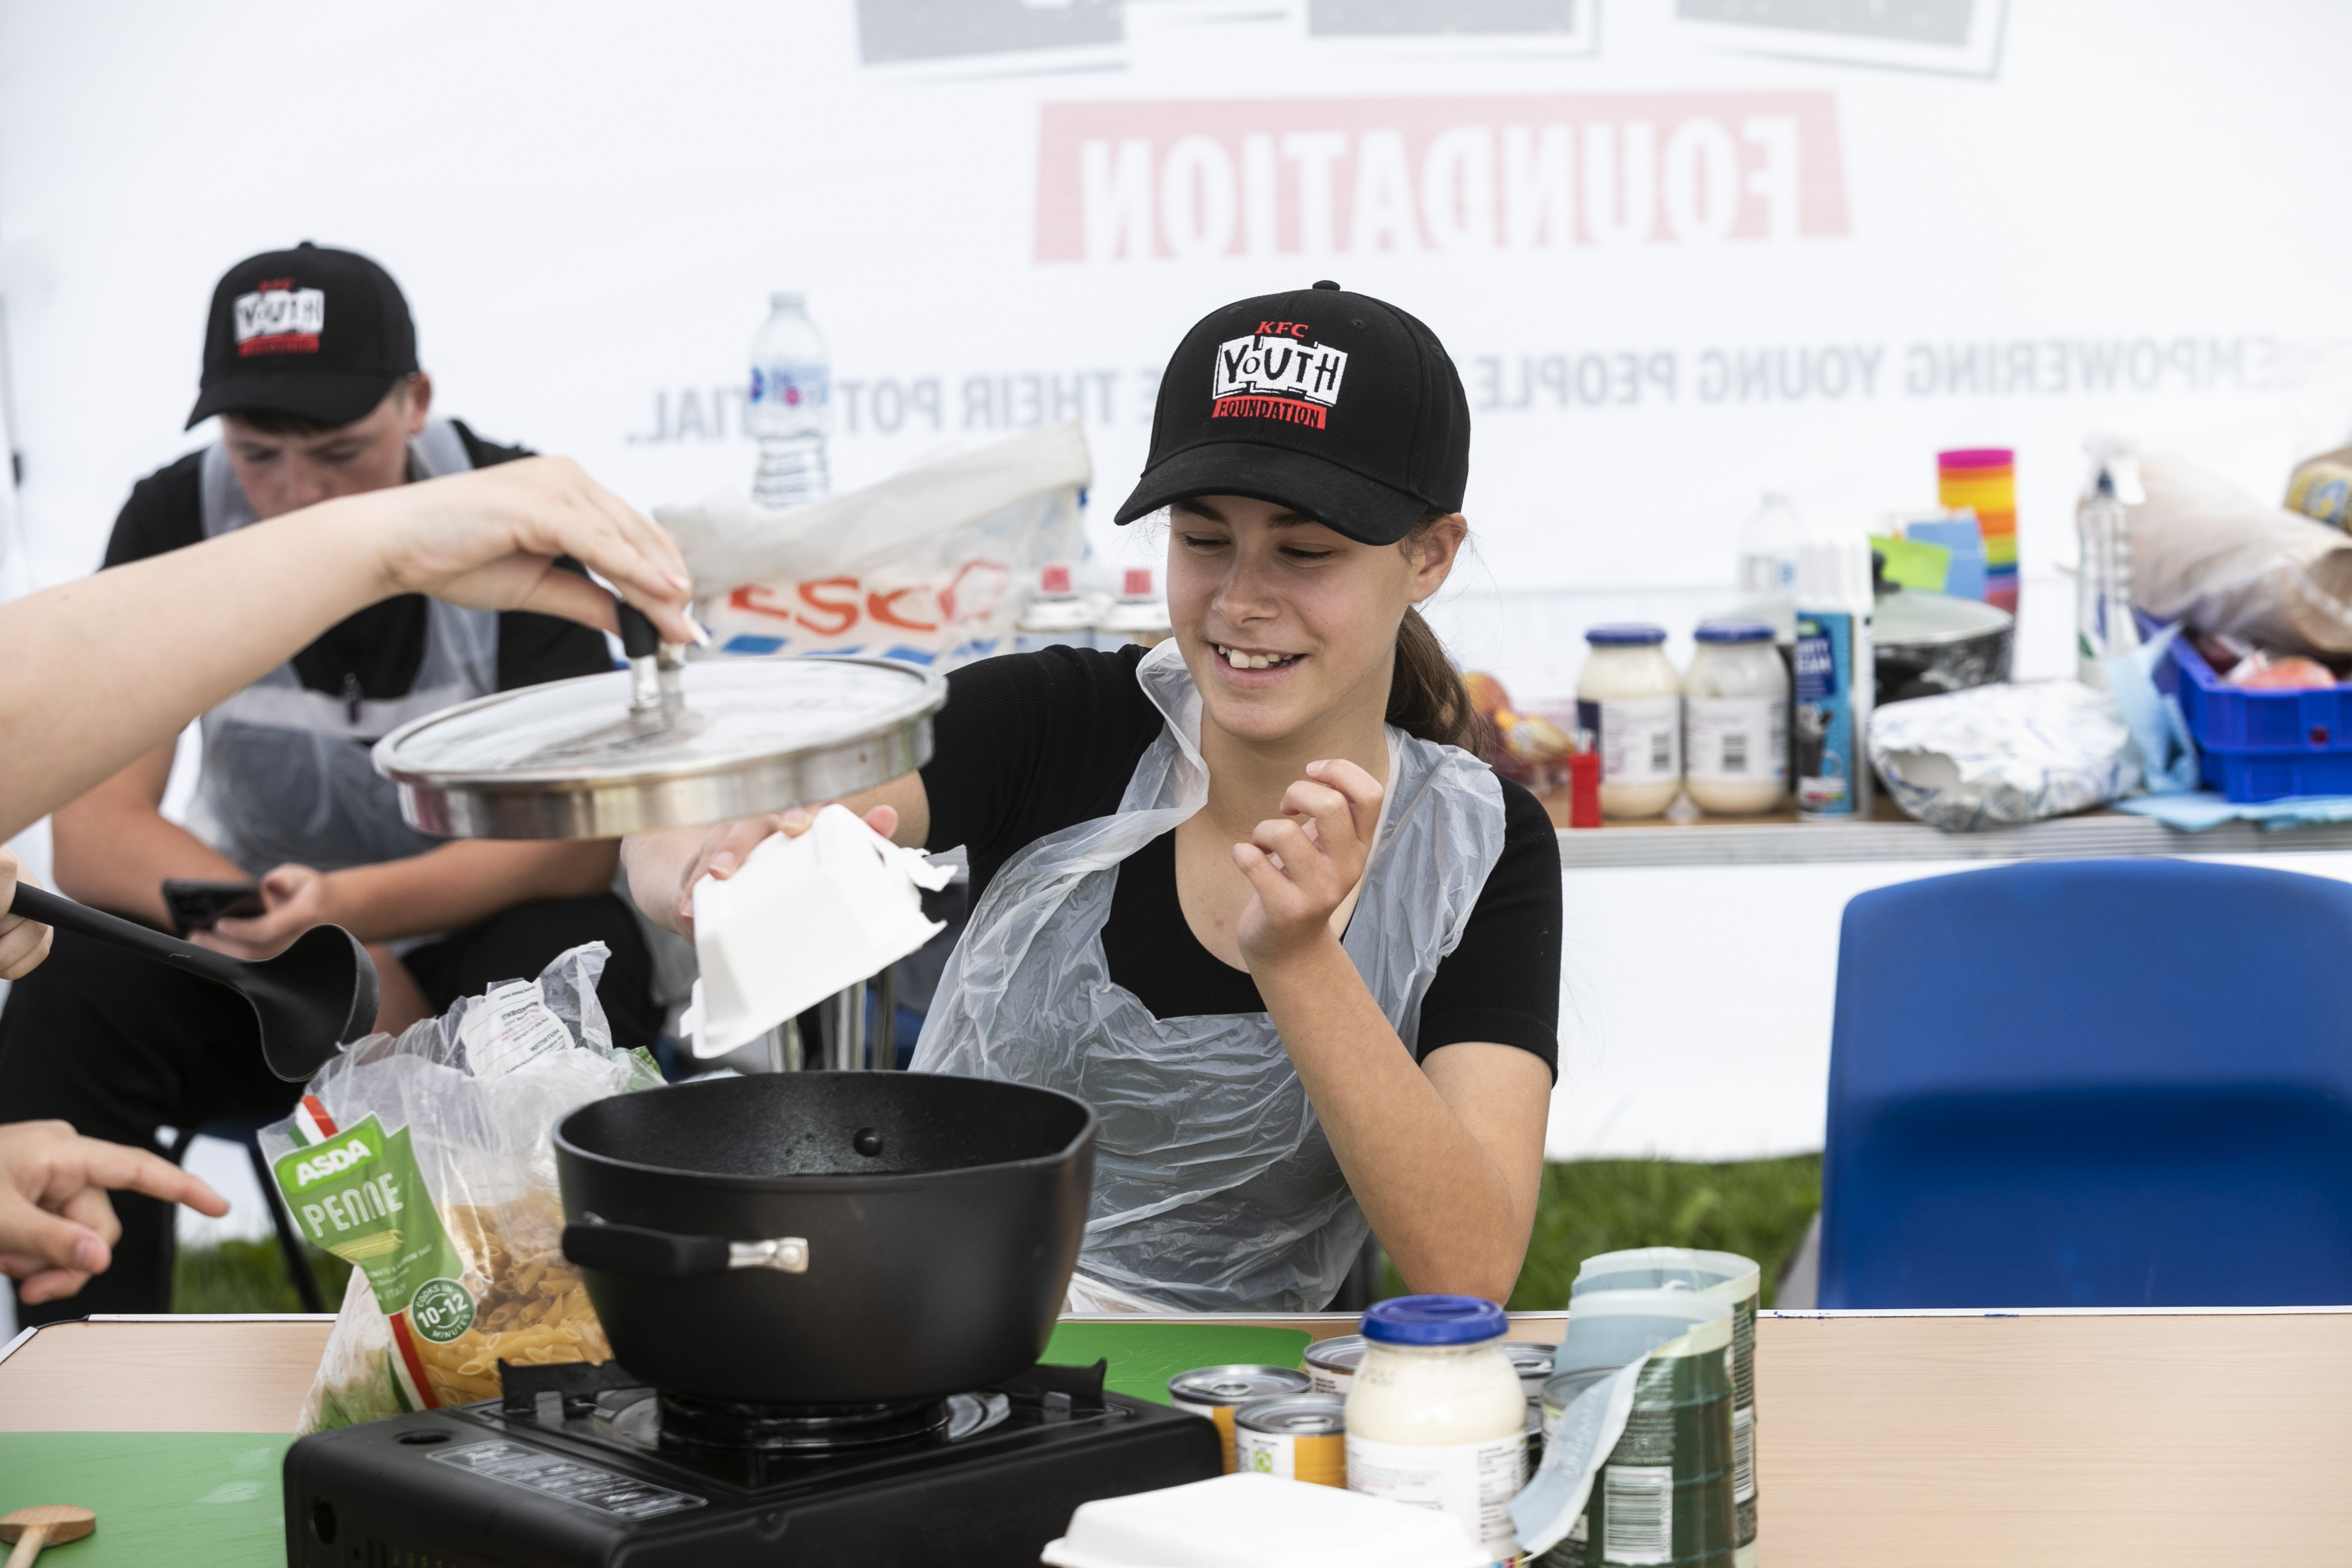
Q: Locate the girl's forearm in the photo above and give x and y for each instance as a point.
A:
(1444, 1211)
(109, 666)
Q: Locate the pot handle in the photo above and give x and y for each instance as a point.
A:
(665, 1255)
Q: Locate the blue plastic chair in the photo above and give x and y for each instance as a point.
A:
(2094, 1083)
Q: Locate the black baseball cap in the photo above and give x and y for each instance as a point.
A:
(1334, 404)
(318, 333)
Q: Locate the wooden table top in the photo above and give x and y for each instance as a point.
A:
(1931, 1439)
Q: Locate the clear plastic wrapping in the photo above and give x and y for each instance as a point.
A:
(427, 1162)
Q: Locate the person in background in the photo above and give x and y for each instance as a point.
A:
(310, 364)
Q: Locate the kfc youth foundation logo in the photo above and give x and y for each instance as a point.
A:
(279, 319)
(1366, 176)
(1271, 374)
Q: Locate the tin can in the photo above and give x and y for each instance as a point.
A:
(2323, 489)
(1301, 1439)
(1664, 1495)
(1331, 1364)
(1533, 1361)
(1216, 1392)
(1725, 1277)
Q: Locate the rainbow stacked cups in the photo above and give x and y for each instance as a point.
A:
(1984, 480)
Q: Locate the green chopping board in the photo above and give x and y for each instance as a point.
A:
(1144, 1356)
(194, 1500)
(211, 1500)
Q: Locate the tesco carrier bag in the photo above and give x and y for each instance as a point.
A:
(926, 567)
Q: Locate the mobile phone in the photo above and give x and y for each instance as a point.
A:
(195, 906)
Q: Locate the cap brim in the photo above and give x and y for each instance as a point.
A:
(330, 397)
(1364, 510)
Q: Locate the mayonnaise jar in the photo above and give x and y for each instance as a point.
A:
(1436, 1417)
(1631, 699)
(1736, 719)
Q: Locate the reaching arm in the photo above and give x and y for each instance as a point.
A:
(447, 889)
(87, 692)
(664, 866)
(1445, 1156)
(114, 847)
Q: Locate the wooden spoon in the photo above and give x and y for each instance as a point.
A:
(43, 1524)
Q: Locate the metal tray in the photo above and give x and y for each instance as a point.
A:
(590, 758)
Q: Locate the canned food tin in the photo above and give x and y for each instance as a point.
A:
(1664, 1495)
(1533, 1363)
(1216, 1392)
(1303, 1439)
(1332, 1362)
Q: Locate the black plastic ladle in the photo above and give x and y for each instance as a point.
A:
(309, 1002)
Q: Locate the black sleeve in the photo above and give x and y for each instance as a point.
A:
(486, 454)
(1502, 983)
(165, 511)
(536, 648)
(1030, 743)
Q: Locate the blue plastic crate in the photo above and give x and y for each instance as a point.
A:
(2262, 746)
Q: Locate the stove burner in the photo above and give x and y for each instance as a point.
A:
(691, 1423)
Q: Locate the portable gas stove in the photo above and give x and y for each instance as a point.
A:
(584, 1466)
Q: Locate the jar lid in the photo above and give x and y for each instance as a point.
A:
(1434, 1320)
(1625, 633)
(1734, 631)
(1976, 457)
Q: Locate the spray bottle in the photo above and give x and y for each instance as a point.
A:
(2104, 625)
(1836, 677)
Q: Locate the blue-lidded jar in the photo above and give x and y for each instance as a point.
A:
(1631, 696)
(1436, 1417)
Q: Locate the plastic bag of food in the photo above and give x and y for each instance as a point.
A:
(1993, 756)
(2206, 553)
(426, 1162)
(924, 566)
(2321, 487)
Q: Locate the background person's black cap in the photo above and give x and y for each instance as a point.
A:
(322, 334)
(1330, 402)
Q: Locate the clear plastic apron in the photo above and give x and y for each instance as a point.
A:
(286, 773)
(1215, 1189)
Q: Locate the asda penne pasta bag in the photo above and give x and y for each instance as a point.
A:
(426, 1162)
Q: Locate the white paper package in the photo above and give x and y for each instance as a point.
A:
(803, 919)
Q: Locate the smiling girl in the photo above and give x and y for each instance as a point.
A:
(1244, 894)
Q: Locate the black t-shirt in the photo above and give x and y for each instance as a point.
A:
(1032, 743)
(381, 647)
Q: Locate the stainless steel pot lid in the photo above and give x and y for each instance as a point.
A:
(1915, 620)
(604, 755)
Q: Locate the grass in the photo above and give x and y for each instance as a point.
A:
(248, 1276)
(1755, 1207)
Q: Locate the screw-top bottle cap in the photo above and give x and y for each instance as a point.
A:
(1733, 631)
(783, 300)
(1434, 1320)
(1138, 584)
(1625, 633)
(1054, 579)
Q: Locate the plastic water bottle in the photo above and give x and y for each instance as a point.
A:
(1768, 565)
(1768, 550)
(2103, 626)
(791, 408)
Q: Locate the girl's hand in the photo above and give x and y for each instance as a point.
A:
(727, 845)
(57, 1228)
(1304, 863)
(23, 944)
(488, 540)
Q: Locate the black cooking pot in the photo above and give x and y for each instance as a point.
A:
(827, 1238)
(1929, 644)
